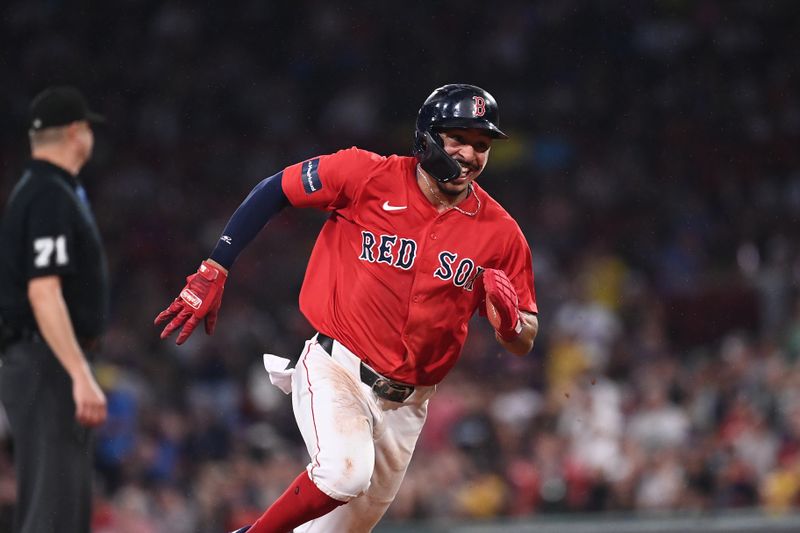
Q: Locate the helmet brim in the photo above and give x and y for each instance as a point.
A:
(469, 123)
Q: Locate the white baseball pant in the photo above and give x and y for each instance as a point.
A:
(360, 445)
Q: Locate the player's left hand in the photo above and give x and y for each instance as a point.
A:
(200, 299)
(502, 304)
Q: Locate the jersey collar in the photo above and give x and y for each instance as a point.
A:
(41, 166)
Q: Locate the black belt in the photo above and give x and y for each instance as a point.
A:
(383, 387)
(14, 335)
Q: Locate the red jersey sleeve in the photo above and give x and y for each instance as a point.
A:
(518, 266)
(329, 181)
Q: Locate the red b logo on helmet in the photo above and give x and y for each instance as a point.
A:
(480, 106)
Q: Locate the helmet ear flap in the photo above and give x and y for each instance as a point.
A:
(433, 159)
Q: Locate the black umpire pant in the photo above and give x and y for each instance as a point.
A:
(52, 452)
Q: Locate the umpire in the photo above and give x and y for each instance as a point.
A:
(53, 307)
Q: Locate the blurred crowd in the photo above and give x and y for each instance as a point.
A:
(653, 166)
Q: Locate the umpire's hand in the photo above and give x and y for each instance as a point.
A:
(90, 402)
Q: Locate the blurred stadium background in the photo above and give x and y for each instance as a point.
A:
(653, 164)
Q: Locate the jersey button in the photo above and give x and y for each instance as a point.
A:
(433, 236)
(415, 299)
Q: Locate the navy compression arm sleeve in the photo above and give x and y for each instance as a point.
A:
(263, 202)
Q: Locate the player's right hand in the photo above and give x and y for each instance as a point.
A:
(200, 299)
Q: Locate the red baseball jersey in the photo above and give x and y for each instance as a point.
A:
(390, 277)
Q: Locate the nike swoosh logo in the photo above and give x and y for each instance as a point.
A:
(387, 207)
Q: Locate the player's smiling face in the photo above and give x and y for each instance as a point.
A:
(470, 147)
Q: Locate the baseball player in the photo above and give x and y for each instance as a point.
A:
(411, 249)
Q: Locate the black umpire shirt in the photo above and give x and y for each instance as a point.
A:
(48, 229)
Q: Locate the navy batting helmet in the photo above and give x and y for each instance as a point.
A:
(457, 105)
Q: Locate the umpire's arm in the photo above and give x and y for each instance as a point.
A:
(55, 326)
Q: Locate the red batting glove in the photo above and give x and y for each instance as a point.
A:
(502, 304)
(199, 299)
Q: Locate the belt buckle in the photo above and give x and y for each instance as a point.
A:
(388, 390)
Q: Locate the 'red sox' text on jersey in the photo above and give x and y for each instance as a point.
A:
(389, 275)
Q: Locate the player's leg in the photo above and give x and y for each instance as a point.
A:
(335, 419)
(394, 446)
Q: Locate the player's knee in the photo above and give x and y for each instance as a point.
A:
(350, 478)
